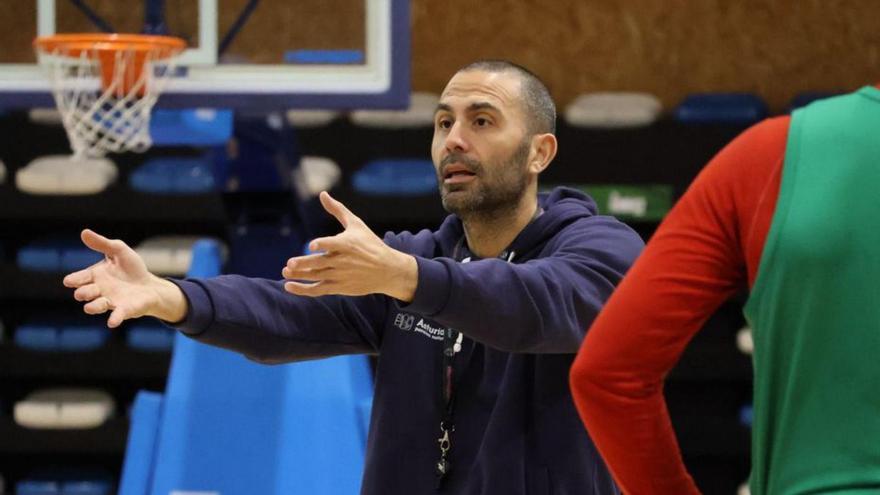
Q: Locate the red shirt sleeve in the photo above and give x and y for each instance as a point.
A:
(707, 248)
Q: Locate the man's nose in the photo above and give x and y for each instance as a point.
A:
(456, 139)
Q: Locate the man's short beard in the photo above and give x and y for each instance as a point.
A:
(490, 201)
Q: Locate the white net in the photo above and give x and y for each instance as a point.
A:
(105, 97)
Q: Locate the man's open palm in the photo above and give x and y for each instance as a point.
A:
(119, 283)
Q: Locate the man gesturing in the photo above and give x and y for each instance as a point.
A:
(475, 324)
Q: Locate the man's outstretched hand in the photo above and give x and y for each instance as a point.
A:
(354, 262)
(121, 284)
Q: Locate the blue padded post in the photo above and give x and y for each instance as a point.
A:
(140, 451)
(228, 425)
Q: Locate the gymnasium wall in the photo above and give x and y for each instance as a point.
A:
(775, 48)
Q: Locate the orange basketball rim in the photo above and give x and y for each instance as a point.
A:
(122, 57)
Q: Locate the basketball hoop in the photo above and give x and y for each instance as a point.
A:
(105, 86)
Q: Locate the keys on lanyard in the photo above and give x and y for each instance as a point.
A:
(443, 465)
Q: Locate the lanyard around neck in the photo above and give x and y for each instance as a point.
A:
(452, 341)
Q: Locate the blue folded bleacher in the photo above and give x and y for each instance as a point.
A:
(396, 177)
(721, 108)
(228, 425)
(56, 255)
(175, 175)
(190, 127)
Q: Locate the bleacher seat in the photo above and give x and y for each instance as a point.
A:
(78, 334)
(396, 177)
(65, 481)
(315, 174)
(65, 175)
(174, 175)
(168, 254)
(190, 127)
(613, 110)
(56, 255)
(310, 118)
(64, 408)
(420, 113)
(721, 108)
(150, 336)
(227, 425)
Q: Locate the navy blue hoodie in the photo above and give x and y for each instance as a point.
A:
(523, 318)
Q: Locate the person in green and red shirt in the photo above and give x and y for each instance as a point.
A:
(788, 210)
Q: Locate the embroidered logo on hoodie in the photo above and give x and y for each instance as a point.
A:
(407, 322)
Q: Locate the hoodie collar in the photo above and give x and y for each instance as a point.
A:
(561, 206)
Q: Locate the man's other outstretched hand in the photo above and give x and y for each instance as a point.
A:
(121, 284)
(354, 262)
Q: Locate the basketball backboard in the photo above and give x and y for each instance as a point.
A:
(246, 54)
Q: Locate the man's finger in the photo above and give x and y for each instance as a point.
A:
(317, 261)
(98, 306)
(309, 275)
(87, 292)
(77, 279)
(338, 210)
(116, 318)
(99, 243)
(329, 245)
(321, 288)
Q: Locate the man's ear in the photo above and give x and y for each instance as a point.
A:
(543, 152)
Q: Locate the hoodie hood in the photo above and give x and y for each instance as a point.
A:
(561, 206)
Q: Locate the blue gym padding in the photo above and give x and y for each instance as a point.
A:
(150, 337)
(231, 426)
(331, 57)
(56, 255)
(396, 177)
(190, 127)
(721, 108)
(174, 175)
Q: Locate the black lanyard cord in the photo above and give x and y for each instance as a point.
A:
(452, 341)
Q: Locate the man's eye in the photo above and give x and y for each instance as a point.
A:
(444, 123)
(481, 122)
